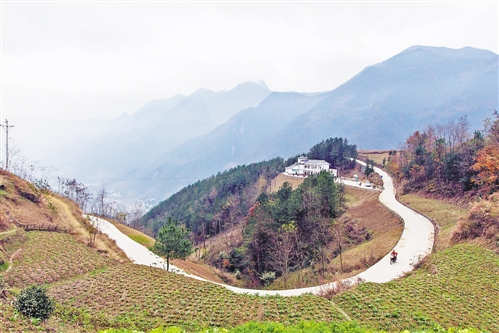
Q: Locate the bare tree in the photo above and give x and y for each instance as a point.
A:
(284, 250)
(136, 213)
(96, 224)
(322, 235)
(100, 199)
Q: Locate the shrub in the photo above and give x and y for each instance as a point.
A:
(267, 278)
(34, 302)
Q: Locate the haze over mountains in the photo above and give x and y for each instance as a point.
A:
(170, 143)
(101, 149)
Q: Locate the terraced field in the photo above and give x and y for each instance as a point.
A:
(455, 287)
(144, 297)
(47, 257)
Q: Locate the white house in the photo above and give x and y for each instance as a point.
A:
(305, 167)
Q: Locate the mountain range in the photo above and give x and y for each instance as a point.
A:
(170, 143)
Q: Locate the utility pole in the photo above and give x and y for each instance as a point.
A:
(6, 128)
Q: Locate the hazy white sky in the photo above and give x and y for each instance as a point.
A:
(76, 60)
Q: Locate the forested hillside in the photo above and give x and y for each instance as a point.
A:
(449, 161)
(225, 205)
(291, 228)
(228, 195)
(215, 204)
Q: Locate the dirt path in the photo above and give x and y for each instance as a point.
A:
(9, 232)
(11, 260)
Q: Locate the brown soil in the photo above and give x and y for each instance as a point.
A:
(281, 179)
(376, 155)
(201, 270)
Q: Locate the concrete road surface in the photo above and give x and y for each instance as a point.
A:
(415, 243)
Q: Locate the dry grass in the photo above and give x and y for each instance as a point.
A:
(281, 179)
(198, 269)
(134, 234)
(70, 215)
(481, 223)
(23, 202)
(376, 155)
(356, 196)
(444, 214)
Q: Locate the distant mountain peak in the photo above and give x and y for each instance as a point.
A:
(260, 84)
(203, 93)
(263, 84)
(466, 51)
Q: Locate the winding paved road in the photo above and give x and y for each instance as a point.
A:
(415, 243)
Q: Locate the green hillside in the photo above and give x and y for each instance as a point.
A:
(44, 240)
(455, 287)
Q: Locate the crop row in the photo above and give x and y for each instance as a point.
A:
(47, 257)
(146, 297)
(456, 287)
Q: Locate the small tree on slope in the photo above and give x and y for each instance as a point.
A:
(172, 242)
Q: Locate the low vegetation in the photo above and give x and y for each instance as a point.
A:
(48, 257)
(95, 288)
(33, 302)
(455, 287)
(302, 327)
(481, 224)
(143, 298)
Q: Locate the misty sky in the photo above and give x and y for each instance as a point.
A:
(77, 60)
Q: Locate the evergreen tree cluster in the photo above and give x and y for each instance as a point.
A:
(209, 206)
(291, 229)
(335, 151)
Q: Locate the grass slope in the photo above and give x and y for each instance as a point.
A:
(144, 297)
(445, 215)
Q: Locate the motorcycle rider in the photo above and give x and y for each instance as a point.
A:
(393, 256)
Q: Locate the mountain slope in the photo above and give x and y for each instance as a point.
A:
(222, 148)
(386, 102)
(376, 109)
(108, 149)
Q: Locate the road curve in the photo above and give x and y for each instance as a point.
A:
(415, 243)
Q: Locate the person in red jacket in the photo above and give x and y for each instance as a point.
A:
(393, 257)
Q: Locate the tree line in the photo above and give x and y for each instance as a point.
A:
(448, 160)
